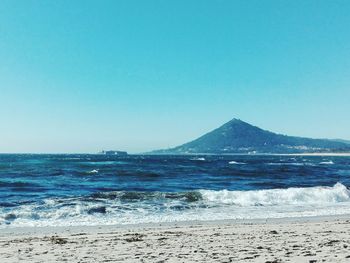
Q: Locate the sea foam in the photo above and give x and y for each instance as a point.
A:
(198, 159)
(234, 162)
(273, 197)
(159, 207)
(327, 162)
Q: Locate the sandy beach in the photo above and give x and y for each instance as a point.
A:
(305, 240)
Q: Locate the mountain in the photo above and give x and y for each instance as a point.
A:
(341, 140)
(237, 136)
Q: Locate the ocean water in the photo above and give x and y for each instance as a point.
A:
(62, 190)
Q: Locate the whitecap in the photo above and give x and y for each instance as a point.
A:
(95, 171)
(234, 162)
(327, 162)
(213, 205)
(274, 197)
(198, 159)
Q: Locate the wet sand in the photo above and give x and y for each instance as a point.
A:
(322, 240)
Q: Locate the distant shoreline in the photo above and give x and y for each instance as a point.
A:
(255, 154)
(316, 154)
(194, 154)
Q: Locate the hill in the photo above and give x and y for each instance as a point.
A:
(237, 136)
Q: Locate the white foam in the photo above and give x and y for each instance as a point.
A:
(215, 205)
(273, 197)
(95, 171)
(327, 162)
(234, 162)
(198, 159)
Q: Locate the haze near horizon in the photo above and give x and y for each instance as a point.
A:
(84, 76)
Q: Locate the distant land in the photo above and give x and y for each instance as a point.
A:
(341, 140)
(239, 137)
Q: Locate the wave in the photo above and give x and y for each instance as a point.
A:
(127, 196)
(272, 197)
(327, 162)
(289, 196)
(18, 184)
(198, 159)
(234, 162)
(103, 162)
(122, 207)
(293, 164)
(95, 171)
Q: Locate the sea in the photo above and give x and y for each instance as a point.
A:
(86, 189)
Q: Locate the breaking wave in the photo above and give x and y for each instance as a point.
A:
(127, 207)
(95, 171)
(234, 162)
(198, 159)
(273, 197)
(327, 162)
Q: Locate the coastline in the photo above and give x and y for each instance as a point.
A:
(274, 240)
(335, 154)
(107, 227)
(316, 154)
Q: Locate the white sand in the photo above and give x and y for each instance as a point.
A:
(279, 241)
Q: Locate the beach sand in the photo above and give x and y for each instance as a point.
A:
(322, 240)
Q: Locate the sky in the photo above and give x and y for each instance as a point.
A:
(82, 76)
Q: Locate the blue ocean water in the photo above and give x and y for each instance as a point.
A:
(50, 190)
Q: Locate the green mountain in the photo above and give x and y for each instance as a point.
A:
(237, 136)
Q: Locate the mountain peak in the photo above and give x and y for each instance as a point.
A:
(235, 120)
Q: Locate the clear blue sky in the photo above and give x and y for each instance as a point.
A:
(81, 76)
